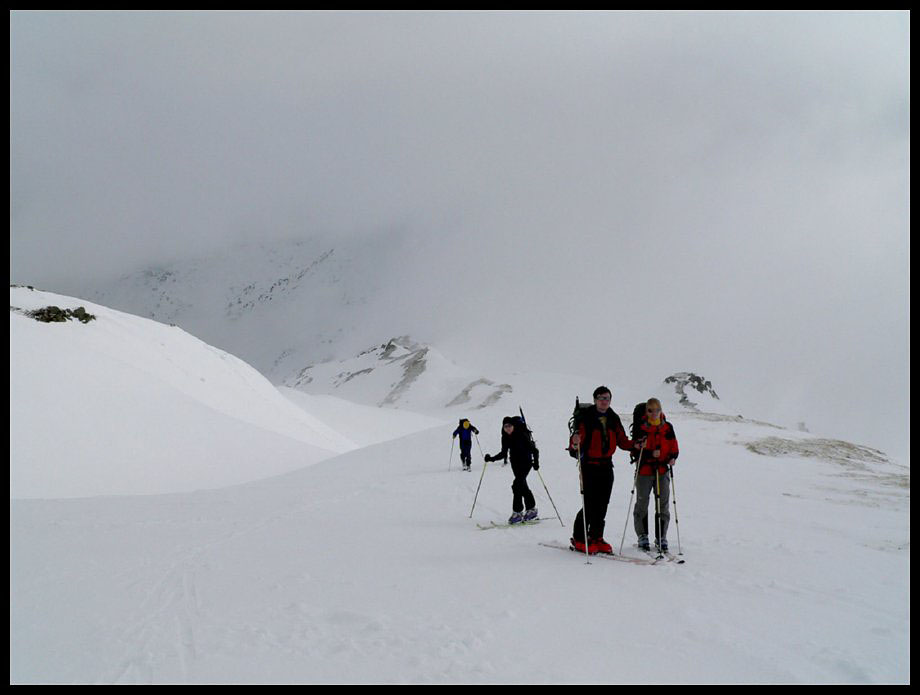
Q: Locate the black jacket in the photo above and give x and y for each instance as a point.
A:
(520, 446)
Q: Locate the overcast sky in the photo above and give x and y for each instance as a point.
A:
(726, 193)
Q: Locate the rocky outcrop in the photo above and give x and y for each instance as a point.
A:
(685, 383)
(54, 314)
(496, 392)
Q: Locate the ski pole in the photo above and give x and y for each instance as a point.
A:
(550, 497)
(658, 508)
(451, 459)
(674, 497)
(631, 494)
(481, 475)
(584, 517)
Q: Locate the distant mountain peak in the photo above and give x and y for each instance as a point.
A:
(400, 372)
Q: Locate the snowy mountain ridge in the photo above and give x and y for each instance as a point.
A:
(124, 395)
(303, 312)
(401, 373)
(278, 306)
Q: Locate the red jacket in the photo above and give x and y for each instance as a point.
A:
(660, 438)
(592, 437)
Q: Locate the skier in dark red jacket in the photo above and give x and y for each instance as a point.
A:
(597, 435)
(660, 453)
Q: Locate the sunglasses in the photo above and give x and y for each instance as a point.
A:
(603, 398)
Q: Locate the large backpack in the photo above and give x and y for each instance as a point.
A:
(522, 422)
(578, 415)
(638, 417)
(635, 431)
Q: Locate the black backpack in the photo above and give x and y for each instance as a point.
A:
(520, 421)
(638, 417)
(578, 415)
(635, 431)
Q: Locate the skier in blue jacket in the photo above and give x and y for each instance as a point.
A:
(465, 431)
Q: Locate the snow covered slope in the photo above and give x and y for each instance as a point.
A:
(362, 424)
(125, 405)
(307, 538)
(366, 568)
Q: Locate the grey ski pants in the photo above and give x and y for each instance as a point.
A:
(645, 491)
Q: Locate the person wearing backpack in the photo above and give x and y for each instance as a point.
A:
(465, 431)
(518, 444)
(596, 433)
(660, 453)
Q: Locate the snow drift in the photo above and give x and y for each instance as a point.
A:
(125, 405)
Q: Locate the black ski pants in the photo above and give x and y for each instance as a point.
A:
(597, 479)
(523, 497)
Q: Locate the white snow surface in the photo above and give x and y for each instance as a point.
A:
(126, 405)
(360, 562)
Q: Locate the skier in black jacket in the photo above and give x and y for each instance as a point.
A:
(517, 441)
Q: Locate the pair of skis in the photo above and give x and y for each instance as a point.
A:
(649, 560)
(531, 522)
(663, 556)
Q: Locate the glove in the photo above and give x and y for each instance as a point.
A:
(536, 465)
(488, 458)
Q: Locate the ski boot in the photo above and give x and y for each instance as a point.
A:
(516, 518)
(530, 514)
(662, 545)
(580, 546)
(601, 546)
(644, 544)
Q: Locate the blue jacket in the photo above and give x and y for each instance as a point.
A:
(466, 435)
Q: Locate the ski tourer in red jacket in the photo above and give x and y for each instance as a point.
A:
(596, 437)
(661, 449)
